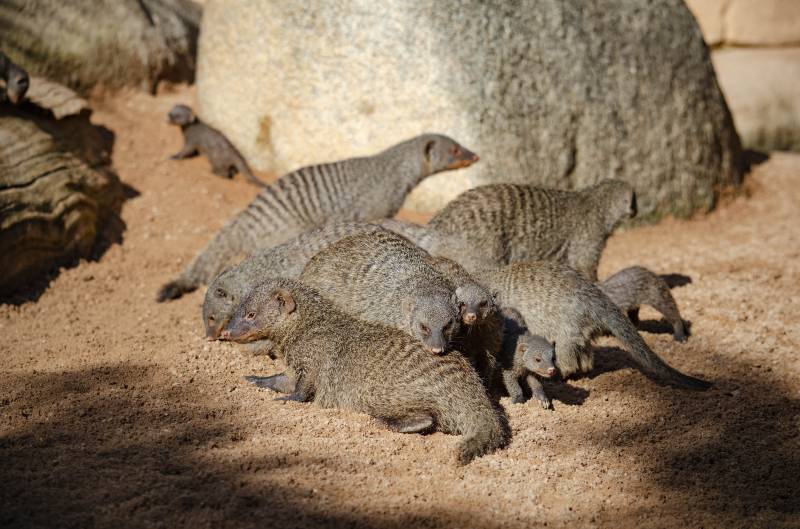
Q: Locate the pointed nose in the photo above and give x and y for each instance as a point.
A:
(225, 335)
(551, 371)
(470, 318)
(435, 350)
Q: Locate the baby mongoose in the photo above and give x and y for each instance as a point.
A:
(15, 78)
(286, 260)
(340, 362)
(525, 355)
(200, 138)
(357, 189)
(564, 307)
(493, 225)
(383, 277)
(635, 286)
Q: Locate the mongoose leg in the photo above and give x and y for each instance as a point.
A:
(512, 386)
(260, 347)
(280, 383)
(537, 391)
(415, 423)
(302, 392)
(667, 307)
(189, 150)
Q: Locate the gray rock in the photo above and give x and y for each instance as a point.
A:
(57, 196)
(114, 43)
(561, 93)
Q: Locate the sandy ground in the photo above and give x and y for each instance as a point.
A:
(115, 412)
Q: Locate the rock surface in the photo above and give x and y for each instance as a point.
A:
(748, 22)
(83, 43)
(56, 196)
(762, 87)
(548, 92)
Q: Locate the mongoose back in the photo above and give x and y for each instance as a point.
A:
(497, 224)
(564, 307)
(206, 140)
(383, 277)
(525, 355)
(286, 260)
(340, 362)
(15, 78)
(635, 286)
(357, 189)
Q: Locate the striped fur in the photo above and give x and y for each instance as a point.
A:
(559, 304)
(358, 189)
(341, 362)
(497, 224)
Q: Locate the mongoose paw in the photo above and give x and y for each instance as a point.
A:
(680, 337)
(172, 290)
(519, 399)
(545, 402)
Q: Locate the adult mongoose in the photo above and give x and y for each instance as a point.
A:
(497, 224)
(200, 138)
(285, 260)
(15, 78)
(357, 189)
(383, 277)
(338, 361)
(525, 355)
(635, 286)
(564, 307)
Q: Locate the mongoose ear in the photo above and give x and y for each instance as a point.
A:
(429, 149)
(285, 300)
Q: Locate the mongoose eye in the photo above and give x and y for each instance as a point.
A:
(482, 304)
(211, 319)
(456, 151)
(251, 315)
(221, 293)
(538, 359)
(425, 330)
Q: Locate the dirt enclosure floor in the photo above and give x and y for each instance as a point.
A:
(115, 412)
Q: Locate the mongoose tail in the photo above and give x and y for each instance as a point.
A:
(612, 318)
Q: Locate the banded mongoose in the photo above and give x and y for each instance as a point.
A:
(482, 333)
(525, 355)
(413, 232)
(635, 286)
(200, 138)
(357, 189)
(493, 225)
(15, 78)
(337, 361)
(564, 307)
(383, 277)
(285, 260)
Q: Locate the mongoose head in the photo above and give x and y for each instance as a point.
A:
(538, 355)
(433, 320)
(268, 307)
(220, 303)
(618, 200)
(181, 115)
(16, 83)
(475, 303)
(443, 154)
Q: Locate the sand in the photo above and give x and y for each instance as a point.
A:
(115, 411)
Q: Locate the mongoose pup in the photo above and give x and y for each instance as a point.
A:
(481, 335)
(383, 277)
(15, 78)
(358, 189)
(564, 307)
(285, 260)
(200, 138)
(635, 286)
(340, 362)
(493, 225)
(525, 355)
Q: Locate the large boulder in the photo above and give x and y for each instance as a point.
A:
(114, 43)
(748, 22)
(762, 86)
(555, 92)
(58, 197)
